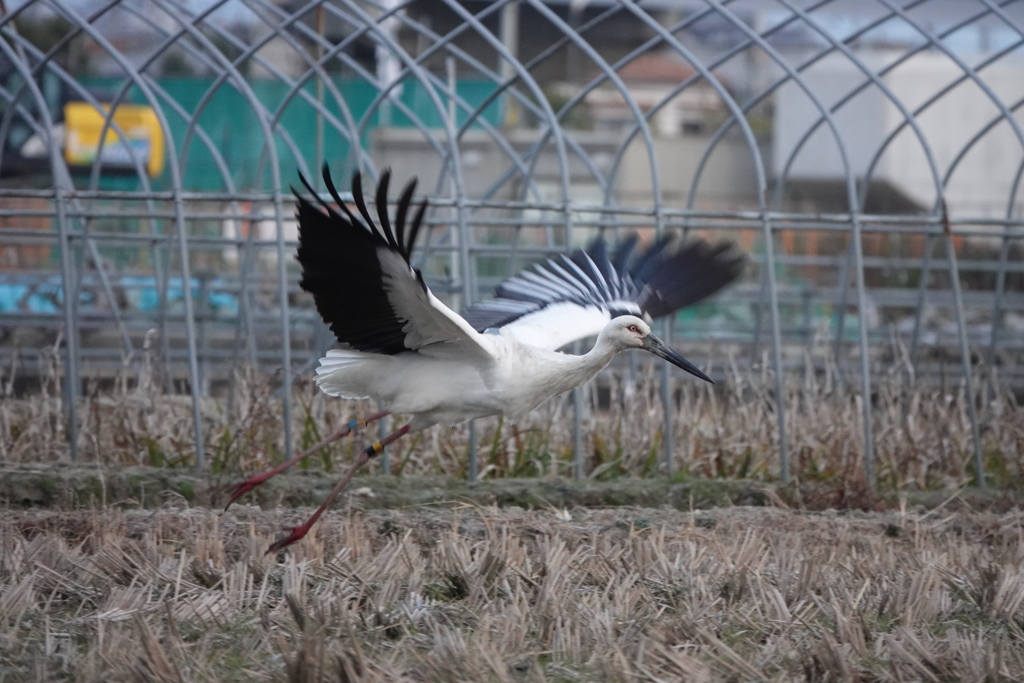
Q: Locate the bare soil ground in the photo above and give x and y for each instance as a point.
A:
(467, 592)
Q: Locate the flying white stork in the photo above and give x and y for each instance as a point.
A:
(402, 346)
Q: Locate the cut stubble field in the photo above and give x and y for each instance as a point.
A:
(428, 581)
(459, 592)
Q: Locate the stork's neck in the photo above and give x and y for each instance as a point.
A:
(575, 370)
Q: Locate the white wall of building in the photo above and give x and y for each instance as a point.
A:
(981, 185)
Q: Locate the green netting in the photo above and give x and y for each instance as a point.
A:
(235, 130)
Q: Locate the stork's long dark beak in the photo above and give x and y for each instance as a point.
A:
(659, 348)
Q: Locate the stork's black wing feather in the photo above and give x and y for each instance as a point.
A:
(688, 275)
(340, 267)
(661, 280)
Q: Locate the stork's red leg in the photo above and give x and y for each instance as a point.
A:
(295, 533)
(252, 482)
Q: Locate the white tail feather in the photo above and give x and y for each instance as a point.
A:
(347, 373)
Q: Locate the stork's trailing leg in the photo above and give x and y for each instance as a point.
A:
(296, 533)
(252, 482)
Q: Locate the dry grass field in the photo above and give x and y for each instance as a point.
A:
(922, 434)
(470, 593)
(457, 591)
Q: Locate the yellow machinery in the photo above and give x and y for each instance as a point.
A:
(84, 125)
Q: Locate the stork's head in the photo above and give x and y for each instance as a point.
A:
(630, 332)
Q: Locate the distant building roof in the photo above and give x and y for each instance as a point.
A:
(656, 68)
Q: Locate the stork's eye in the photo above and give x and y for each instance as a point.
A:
(633, 328)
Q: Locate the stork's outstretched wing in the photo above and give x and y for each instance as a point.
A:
(572, 297)
(362, 281)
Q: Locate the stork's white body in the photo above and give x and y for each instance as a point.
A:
(516, 378)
